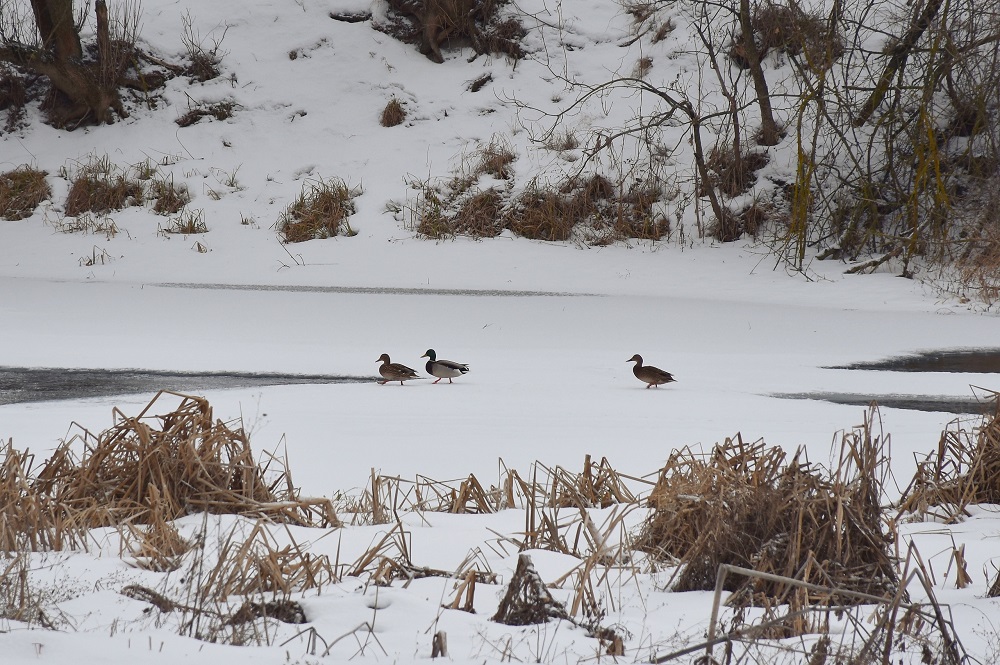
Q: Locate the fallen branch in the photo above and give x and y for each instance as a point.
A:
(875, 263)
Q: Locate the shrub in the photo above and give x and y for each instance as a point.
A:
(204, 60)
(21, 190)
(320, 211)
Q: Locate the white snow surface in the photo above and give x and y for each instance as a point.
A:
(545, 327)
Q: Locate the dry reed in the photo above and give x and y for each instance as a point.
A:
(964, 470)
(146, 469)
(751, 506)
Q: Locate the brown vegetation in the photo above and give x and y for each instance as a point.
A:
(21, 191)
(219, 110)
(393, 114)
(170, 198)
(434, 23)
(145, 469)
(787, 28)
(321, 210)
(964, 470)
(590, 209)
(751, 506)
(189, 222)
(735, 174)
(100, 187)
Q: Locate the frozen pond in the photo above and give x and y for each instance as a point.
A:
(965, 361)
(952, 361)
(33, 384)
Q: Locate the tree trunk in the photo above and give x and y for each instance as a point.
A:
(54, 19)
(770, 134)
(82, 91)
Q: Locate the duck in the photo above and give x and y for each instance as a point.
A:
(391, 371)
(443, 369)
(651, 376)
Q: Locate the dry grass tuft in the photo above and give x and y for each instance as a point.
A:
(642, 67)
(640, 11)
(101, 187)
(23, 599)
(592, 210)
(734, 225)
(787, 28)
(735, 176)
(170, 198)
(505, 38)
(664, 31)
(393, 114)
(190, 222)
(88, 223)
(174, 465)
(320, 211)
(495, 159)
(219, 110)
(964, 470)
(429, 213)
(562, 141)
(204, 55)
(478, 216)
(437, 24)
(749, 505)
(21, 191)
(541, 213)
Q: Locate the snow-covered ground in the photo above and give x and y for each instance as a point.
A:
(545, 328)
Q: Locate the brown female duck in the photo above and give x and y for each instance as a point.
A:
(651, 376)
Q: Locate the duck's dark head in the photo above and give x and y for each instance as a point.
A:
(384, 358)
(430, 354)
(635, 359)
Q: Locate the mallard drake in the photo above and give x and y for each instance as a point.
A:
(443, 369)
(651, 376)
(391, 371)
